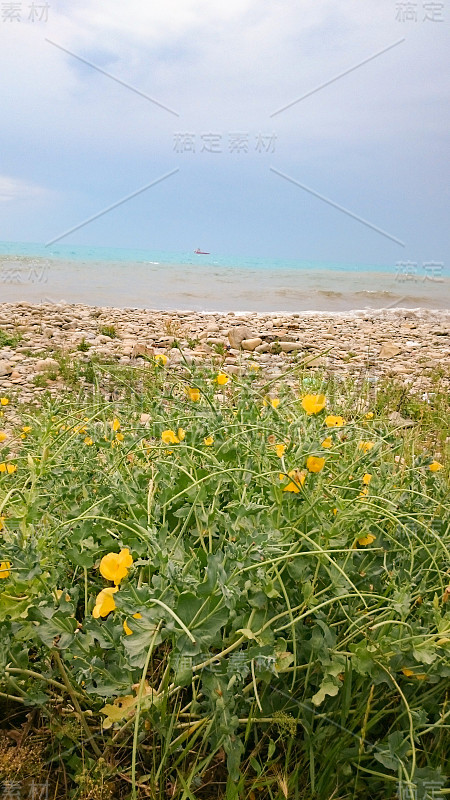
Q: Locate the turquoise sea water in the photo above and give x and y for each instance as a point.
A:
(213, 282)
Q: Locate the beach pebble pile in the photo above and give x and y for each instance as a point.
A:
(412, 346)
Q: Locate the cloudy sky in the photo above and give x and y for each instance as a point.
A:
(204, 80)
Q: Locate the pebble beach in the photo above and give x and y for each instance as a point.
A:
(408, 345)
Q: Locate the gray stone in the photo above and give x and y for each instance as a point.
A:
(45, 364)
(6, 368)
(251, 344)
(288, 347)
(238, 335)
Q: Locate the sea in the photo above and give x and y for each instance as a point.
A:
(172, 281)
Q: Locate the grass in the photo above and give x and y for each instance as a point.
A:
(273, 636)
(9, 340)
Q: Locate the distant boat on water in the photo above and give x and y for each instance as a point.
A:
(199, 252)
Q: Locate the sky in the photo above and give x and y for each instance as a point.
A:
(225, 117)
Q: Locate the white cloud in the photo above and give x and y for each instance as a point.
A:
(12, 189)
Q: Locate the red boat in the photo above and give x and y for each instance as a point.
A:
(199, 252)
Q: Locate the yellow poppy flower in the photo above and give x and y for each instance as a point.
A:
(435, 466)
(104, 603)
(2, 520)
(364, 492)
(114, 566)
(115, 424)
(208, 441)
(274, 401)
(313, 403)
(222, 379)
(334, 422)
(315, 464)
(279, 449)
(4, 569)
(367, 478)
(363, 541)
(2, 436)
(160, 358)
(193, 394)
(298, 476)
(170, 437)
(127, 628)
(328, 442)
(9, 468)
(88, 440)
(369, 415)
(366, 446)
(4, 401)
(411, 674)
(119, 437)
(181, 434)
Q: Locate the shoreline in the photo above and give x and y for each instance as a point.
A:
(407, 345)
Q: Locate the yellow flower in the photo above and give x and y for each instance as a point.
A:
(2, 436)
(222, 379)
(410, 674)
(127, 628)
(181, 434)
(2, 520)
(365, 540)
(208, 440)
(313, 403)
(119, 437)
(367, 478)
(193, 394)
(4, 569)
(160, 358)
(334, 422)
(4, 401)
(435, 466)
(114, 566)
(369, 415)
(104, 603)
(26, 429)
(274, 401)
(279, 449)
(88, 440)
(115, 424)
(298, 478)
(170, 437)
(364, 492)
(9, 468)
(315, 464)
(328, 442)
(366, 446)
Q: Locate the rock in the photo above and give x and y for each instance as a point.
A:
(5, 368)
(250, 344)
(46, 364)
(400, 421)
(232, 369)
(288, 347)
(318, 361)
(238, 335)
(389, 351)
(263, 348)
(144, 418)
(139, 350)
(214, 340)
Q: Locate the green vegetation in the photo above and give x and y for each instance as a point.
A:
(83, 346)
(108, 330)
(224, 588)
(9, 340)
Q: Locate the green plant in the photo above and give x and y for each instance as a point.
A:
(83, 346)
(9, 340)
(280, 626)
(108, 330)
